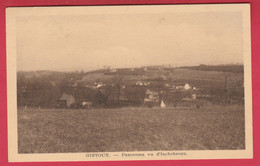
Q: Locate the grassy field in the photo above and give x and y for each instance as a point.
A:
(130, 129)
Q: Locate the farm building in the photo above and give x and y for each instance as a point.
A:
(140, 83)
(91, 86)
(152, 99)
(151, 96)
(179, 87)
(99, 84)
(167, 85)
(113, 70)
(86, 104)
(147, 83)
(65, 100)
(184, 87)
(187, 86)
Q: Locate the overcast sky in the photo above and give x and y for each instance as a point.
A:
(83, 42)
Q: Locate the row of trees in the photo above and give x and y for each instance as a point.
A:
(233, 68)
(44, 91)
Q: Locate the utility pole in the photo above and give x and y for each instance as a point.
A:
(225, 89)
(118, 82)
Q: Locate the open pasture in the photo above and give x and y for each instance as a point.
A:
(130, 129)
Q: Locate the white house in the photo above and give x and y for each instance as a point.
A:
(187, 86)
(139, 83)
(113, 70)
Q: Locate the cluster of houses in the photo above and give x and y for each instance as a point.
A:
(142, 83)
(96, 85)
(114, 97)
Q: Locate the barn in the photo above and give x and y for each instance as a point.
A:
(66, 100)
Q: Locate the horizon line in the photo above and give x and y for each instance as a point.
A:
(109, 67)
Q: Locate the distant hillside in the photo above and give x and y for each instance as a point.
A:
(224, 68)
(38, 73)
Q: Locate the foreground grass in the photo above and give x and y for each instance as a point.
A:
(130, 129)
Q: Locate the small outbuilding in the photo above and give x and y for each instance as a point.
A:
(162, 105)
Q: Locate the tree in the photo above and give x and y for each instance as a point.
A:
(118, 79)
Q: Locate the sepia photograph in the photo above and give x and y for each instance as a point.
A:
(129, 82)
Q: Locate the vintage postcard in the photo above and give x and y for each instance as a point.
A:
(137, 82)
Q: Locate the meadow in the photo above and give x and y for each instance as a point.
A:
(130, 129)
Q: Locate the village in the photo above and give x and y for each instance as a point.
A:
(107, 88)
(142, 95)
